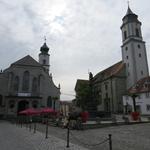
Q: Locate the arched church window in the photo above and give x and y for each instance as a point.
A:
(25, 85)
(49, 101)
(125, 35)
(16, 83)
(11, 78)
(137, 32)
(140, 55)
(34, 84)
(126, 48)
(1, 100)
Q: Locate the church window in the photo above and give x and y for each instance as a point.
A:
(125, 35)
(49, 102)
(139, 54)
(106, 95)
(44, 61)
(16, 83)
(126, 48)
(11, 76)
(139, 46)
(106, 86)
(137, 32)
(127, 57)
(34, 85)
(25, 85)
(141, 72)
(1, 100)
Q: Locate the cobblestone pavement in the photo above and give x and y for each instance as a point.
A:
(14, 137)
(126, 137)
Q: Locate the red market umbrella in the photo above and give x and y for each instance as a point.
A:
(48, 110)
(30, 111)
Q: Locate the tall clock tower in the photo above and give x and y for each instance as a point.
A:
(133, 49)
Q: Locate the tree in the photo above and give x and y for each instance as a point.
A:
(83, 95)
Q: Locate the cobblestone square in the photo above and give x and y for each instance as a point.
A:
(126, 137)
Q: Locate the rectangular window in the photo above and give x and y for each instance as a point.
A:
(148, 107)
(106, 95)
(125, 35)
(147, 94)
(137, 32)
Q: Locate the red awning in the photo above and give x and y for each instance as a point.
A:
(48, 110)
(30, 111)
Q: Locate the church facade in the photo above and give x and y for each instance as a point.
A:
(28, 84)
(109, 85)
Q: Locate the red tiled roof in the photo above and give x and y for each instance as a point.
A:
(112, 70)
(142, 86)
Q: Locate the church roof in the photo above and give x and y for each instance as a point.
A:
(129, 11)
(112, 70)
(27, 61)
(141, 86)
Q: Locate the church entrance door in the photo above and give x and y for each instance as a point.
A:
(22, 105)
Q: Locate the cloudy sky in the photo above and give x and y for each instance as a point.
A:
(82, 34)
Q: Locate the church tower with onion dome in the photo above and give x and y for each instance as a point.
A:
(44, 57)
(133, 49)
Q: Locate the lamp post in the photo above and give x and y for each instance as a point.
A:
(134, 101)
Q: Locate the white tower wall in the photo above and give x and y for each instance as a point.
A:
(133, 49)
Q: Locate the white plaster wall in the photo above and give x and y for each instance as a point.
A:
(143, 102)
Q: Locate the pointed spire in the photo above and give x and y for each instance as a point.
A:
(129, 11)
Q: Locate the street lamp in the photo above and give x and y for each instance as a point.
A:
(134, 101)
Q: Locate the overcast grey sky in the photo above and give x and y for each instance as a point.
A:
(82, 34)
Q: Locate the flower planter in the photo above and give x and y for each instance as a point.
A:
(84, 116)
(135, 115)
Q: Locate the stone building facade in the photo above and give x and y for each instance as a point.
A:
(27, 83)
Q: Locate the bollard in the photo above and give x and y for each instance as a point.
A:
(30, 124)
(110, 142)
(34, 127)
(68, 131)
(46, 136)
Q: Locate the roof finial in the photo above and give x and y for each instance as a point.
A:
(45, 39)
(128, 3)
